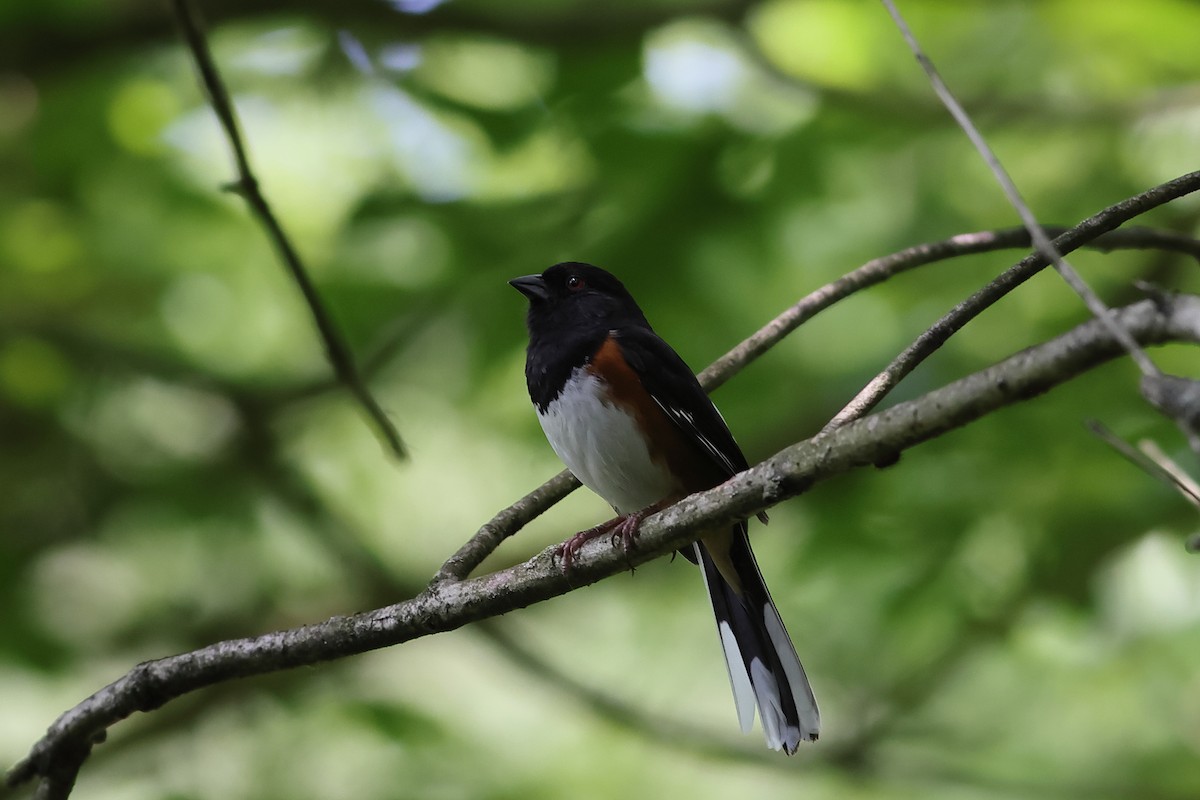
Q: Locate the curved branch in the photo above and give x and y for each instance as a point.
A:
(1010, 279)
(1152, 378)
(1041, 238)
(447, 606)
(1098, 232)
(247, 186)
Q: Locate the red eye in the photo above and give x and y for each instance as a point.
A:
(575, 283)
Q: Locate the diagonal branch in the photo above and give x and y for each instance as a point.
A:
(1152, 378)
(1150, 458)
(447, 606)
(247, 186)
(1040, 239)
(937, 334)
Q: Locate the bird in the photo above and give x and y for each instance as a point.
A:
(630, 420)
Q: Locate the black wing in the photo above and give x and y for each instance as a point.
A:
(671, 383)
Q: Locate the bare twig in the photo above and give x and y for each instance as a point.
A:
(448, 606)
(1096, 233)
(1043, 243)
(247, 186)
(1150, 458)
(503, 525)
(1186, 484)
(1151, 376)
(964, 312)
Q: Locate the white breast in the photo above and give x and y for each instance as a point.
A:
(601, 445)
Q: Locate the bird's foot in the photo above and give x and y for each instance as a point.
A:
(567, 550)
(625, 532)
(622, 530)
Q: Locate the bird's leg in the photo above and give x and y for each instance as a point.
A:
(567, 550)
(622, 529)
(627, 527)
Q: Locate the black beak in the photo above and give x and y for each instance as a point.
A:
(532, 286)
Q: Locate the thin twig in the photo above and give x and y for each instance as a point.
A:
(1186, 484)
(503, 525)
(1043, 243)
(1150, 458)
(935, 336)
(1104, 238)
(247, 186)
(446, 607)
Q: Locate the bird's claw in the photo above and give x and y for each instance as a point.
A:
(567, 550)
(621, 531)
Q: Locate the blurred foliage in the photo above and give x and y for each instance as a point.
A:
(1006, 613)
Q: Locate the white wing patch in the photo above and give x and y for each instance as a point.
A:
(687, 421)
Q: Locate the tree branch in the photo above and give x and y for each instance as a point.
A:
(1042, 241)
(447, 606)
(1150, 458)
(934, 337)
(503, 525)
(247, 186)
(1152, 377)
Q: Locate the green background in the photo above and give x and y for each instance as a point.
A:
(1008, 612)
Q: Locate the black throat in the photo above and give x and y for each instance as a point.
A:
(551, 359)
(564, 336)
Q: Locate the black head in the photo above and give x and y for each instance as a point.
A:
(573, 308)
(574, 298)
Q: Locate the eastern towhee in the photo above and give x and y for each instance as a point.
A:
(629, 419)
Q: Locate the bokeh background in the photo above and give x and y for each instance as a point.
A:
(1008, 612)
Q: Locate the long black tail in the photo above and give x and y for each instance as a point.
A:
(763, 667)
